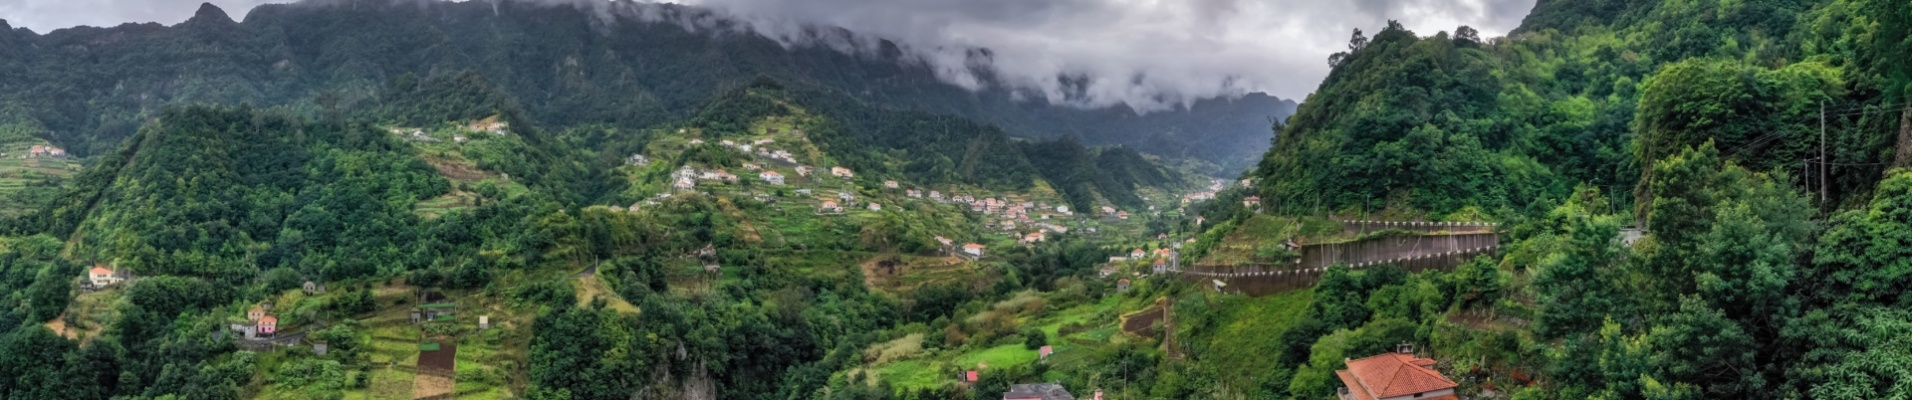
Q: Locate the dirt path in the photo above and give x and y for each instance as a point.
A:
(58, 325)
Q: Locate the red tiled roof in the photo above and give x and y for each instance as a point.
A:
(1354, 385)
(100, 271)
(1395, 374)
(268, 320)
(972, 246)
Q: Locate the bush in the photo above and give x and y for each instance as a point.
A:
(1034, 339)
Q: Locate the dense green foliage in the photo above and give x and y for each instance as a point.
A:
(1707, 112)
(1594, 92)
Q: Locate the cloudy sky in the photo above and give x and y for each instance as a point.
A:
(1148, 53)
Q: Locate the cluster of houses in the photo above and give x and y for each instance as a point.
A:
(492, 126)
(259, 324)
(38, 151)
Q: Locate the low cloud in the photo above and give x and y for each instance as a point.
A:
(1150, 54)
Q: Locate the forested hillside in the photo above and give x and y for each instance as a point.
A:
(629, 65)
(1657, 169)
(1594, 92)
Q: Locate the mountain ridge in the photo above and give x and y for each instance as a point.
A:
(567, 63)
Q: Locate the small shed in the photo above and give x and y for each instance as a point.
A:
(484, 322)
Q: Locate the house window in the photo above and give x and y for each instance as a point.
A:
(1418, 395)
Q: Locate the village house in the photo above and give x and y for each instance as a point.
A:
(101, 277)
(1042, 354)
(1251, 201)
(638, 160)
(1032, 237)
(765, 141)
(1037, 391)
(255, 313)
(1122, 285)
(493, 126)
(1161, 265)
(312, 288)
(845, 195)
(876, 207)
(727, 143)
(913, 193)
(695, 142)
(753, 166)
(1108, 210)
(803, 170)
(46, 151)
(935, 195)
(973, 250)
(829, 207)
(268, 325)
(458, 138)
(890, 184)
(1394, 376)
(842, 172)
(1162, 252)
(771, 177)
(684, 184)
(1137, 254)
(1122, 215)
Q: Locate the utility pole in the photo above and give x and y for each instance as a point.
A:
(1822, 154)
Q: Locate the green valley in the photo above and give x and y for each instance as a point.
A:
(569, 200)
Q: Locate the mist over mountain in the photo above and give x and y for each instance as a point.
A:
(568, 63)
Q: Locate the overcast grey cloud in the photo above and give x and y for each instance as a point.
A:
(1150, 54)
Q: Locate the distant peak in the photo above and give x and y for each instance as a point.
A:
(4, 26)
(209, 12)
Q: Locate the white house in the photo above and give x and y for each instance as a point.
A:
(973, 250)
(876, 207)
(772, 177)
(830, 207)
(102, 277)
(842, 172)
(890, 184)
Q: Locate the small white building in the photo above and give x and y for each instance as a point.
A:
(890, 184)
(842, 172)
(876, 207)
(771, 177)
(973, 250)
(103, 277)
(830, 207)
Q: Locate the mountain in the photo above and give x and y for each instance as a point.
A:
(1436, 124)
(87, 87)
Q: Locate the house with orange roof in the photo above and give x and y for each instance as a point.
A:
(1137, 253)
(1251, 201)
(1395, 376)
(268, 325)
(830, 207)
(101, 277)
